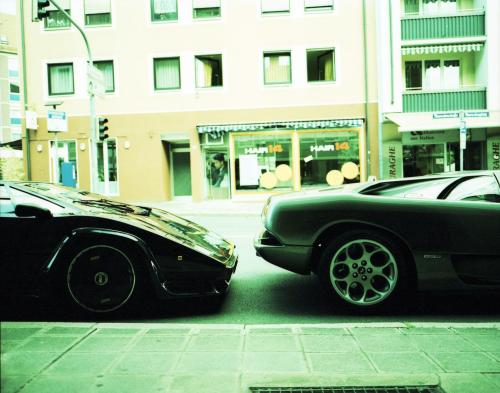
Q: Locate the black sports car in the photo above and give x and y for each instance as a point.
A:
(373, 243)
(101, 255)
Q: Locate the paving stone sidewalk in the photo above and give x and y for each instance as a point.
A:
(143, 358)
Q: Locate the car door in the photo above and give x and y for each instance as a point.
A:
(26, 242)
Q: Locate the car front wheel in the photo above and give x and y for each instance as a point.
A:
(100, 278)
(364, 270)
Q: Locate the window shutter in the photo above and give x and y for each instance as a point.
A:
(97, 6)
(318, 3)
(275, 5)
(206, 4)
(65, 5)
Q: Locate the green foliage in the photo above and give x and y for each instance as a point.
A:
(11, 168)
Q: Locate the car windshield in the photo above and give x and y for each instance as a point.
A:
(416, 188)
(84, 198)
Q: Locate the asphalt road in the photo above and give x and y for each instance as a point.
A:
(262, 293)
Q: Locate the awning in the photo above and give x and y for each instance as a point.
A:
(441, 49)
(216, 130)
(433, 121)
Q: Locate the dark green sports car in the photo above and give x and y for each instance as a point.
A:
(373, 243)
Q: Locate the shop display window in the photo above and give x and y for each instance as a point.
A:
(329, 158)
(263, 163)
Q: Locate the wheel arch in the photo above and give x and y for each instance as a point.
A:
(345, 226)
(81, 236)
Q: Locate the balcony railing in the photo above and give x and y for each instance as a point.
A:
(449, 100)
(470, 24)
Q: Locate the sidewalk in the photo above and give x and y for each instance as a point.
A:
(151, 358)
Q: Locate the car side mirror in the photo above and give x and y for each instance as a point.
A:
(30, 210)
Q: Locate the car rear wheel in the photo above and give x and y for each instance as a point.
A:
(365, 270)
(101, 278)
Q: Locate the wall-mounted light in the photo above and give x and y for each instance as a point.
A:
(126, 145)
(82, 146)
(39, 148)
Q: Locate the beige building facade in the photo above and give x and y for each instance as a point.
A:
(207, 99)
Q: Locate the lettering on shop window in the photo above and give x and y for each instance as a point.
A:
(264, 149)
(331, 147)
(496, 155)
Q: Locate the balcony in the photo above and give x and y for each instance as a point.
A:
(470, 24)
(449, 100)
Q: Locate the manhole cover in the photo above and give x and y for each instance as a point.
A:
(350, 389)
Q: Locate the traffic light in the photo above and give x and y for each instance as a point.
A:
(40, 11)
(102, 127)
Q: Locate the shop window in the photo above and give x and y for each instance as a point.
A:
(55, 18)
(167, 74)
(206, 9)
(277, 68)
(275, 6)
(320, 65)
(107, 68)
(329, 158)
(60, 77)
(163, 10)
(97, 12)
(318, 5)
(208, 70)
(263, 163)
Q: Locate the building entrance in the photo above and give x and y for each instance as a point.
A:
(180, 170)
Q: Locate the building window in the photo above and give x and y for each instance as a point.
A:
(14, 95)
(163, 10)
(320, 65)
(437, 7)
(206, 9)
(167, 73)
(318, 5)
(55, 18)
(275, 6)
(432, 74)
(61, 79)
(329, 158)
(208, 70)
(263, 162)
(106, 67)
(97, 12)
(277, 68)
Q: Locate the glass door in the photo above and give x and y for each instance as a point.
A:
(421, 160)
(180, 170)
(107, 167)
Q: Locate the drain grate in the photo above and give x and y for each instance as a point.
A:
(350, 389)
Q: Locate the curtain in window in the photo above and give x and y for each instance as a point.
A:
(275, 5)
(451, 74)
(413, 73)
(61, 79)
(167, 73)
(449, 6)
(432, 75)
(204, 73)
(97, 6)
(326, 67)
(318, 3)
(107, 69)
(411, 6)
(165, 6)
(277, 68)
(430, 7)
(206, 3)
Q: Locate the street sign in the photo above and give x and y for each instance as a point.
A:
(96, 85)
(57, 121)
(476, 114)
(463, 135)
(445, 115)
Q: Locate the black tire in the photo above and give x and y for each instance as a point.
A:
(101, 278)
(365, 270)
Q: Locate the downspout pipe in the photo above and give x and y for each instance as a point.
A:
(25, 89)
(365, 61)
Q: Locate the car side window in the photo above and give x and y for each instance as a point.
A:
(479, 189)
(6, 205)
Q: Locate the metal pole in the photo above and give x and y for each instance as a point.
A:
(462, 139)
(93, 128)
(25, 90)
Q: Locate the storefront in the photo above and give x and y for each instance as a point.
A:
(264, 158)
(420, 152)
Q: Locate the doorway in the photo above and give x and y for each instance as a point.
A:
(180, 170)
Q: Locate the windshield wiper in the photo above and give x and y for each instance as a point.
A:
(118, 206)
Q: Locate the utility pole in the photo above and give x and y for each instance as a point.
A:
(39, 13)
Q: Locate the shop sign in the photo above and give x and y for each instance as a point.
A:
(392, 160)
(493, 151)
(442, 136)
